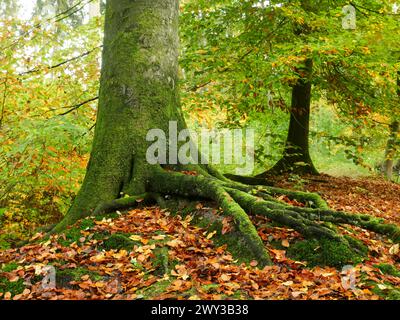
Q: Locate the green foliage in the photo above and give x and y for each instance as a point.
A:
(241, 57)
(44, 155)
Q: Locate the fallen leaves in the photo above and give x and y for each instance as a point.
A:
(394, 250)
(175, 243)
(194, 268)
(180, 272)
(211, 234)
(225, 278)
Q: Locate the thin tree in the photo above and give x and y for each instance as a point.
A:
(296, 155)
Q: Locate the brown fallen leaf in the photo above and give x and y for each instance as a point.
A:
(225, 277)
(285, 243)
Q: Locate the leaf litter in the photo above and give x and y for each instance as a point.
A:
(166, 257)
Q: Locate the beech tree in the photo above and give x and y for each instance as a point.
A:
(266, 55)
(139, 91)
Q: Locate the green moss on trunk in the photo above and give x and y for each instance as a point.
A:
(138, 92)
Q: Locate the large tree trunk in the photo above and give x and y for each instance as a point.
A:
(138, 93)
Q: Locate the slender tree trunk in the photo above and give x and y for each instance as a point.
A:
(391, 150)
(391, 147)
(296, 156)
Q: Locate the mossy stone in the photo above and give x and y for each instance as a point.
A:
(65, 277)
(325, 252)
(119, 241)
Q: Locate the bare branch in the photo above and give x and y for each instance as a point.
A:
(77, 106)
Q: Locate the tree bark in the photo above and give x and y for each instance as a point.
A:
(138, 92)
(391, 150)
(391, 146)
(296, 155)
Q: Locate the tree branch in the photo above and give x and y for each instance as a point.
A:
(77, 106)
(62, 63)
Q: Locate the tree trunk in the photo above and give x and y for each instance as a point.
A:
(138, 92)
(296, 156)
(391, 146)
(391, 150)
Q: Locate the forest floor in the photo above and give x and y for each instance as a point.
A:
(149, 253)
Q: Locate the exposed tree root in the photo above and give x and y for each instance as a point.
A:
(284, 215)
(178, 184)
(123, 203)
(314, 221)
(249, 180)
(312, 200)
(294, 161)
(237, 200)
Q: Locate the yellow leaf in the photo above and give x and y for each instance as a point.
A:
(99, 258)
(212, 234)
(394, 249)
(159, 237)
(285, 243)
(225, 277)
(135, 238)
(121, 254)
(201, 51)
(175, 243)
